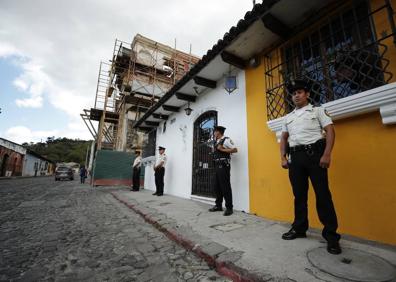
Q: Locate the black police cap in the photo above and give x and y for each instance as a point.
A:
(219, 128)
(161, 148)
(297, 84)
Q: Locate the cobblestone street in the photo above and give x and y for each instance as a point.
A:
(64, 231)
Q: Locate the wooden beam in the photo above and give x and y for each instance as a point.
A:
(170, 108)
(129, 99)
(276, 26)
(160, 116)
(152, 123)
(233, 60)
(205, 82)
(145, 128)
(185, 97)
(135, 108)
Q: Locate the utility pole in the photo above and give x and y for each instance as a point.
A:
(86, 157)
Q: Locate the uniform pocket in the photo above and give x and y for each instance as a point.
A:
(311, 122)
(310, 117)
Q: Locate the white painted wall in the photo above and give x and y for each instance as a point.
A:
(178, 141)
(29, 168)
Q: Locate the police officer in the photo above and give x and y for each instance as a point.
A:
(136, 172)
(223, 148)
(159, 172)
(306, 144)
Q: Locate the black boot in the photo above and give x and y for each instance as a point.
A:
(228, 212)
(334, 248)
(293, 234)
(215, 209)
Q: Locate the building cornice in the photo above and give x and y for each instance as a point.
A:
(382, 99)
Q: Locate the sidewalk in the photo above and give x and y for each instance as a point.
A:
(249, 248)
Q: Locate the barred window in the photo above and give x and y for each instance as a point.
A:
(340, 58)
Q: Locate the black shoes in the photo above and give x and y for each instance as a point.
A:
(293, 234)
(228, 212)
(334, 248)
(215, 209)
(160, 195)
(155, 193)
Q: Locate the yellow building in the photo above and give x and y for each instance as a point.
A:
(347, 50)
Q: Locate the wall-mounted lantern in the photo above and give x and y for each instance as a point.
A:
(230, 82)
(188, 109)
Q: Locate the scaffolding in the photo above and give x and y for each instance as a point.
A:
(136, 77)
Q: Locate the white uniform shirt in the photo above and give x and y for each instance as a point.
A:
(137, 162)
(228, 143)
(161, 158)
(305, 125)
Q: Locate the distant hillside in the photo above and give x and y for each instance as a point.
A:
(61, 149)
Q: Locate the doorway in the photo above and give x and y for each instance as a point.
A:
(4, 165)
(203, 168)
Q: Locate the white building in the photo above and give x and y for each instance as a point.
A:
(36, 165)
(189, 169)
(24, 162)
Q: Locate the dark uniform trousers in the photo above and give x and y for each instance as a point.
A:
(304, 165)
(136, 179)
(222, 184)
(159, 180)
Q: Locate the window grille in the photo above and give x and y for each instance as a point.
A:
(339, 58)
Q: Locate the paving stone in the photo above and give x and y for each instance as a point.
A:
(214, 249)
(188, 275)
(64, 231)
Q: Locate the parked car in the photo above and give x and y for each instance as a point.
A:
(64, 172)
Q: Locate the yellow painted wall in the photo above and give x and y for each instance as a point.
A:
(362, 175)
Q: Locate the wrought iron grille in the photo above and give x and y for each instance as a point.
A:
(149, 144)
(203, 165)
(340, 58)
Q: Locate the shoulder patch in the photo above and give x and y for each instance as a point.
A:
(326, 113)
(232, 143)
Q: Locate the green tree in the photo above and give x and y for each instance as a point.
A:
(61, 149)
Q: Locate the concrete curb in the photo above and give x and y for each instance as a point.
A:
(224, 267)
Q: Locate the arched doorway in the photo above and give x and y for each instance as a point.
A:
(4, 165)
(203, 169)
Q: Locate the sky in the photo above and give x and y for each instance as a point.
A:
(50, 51)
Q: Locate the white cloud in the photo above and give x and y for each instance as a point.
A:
(20, 134)
(7, 50)
(20, 84)
(34, 102)
(58, 47)
(33, 82)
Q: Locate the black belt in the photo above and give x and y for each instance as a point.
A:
(309, 147)
(222, 160)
